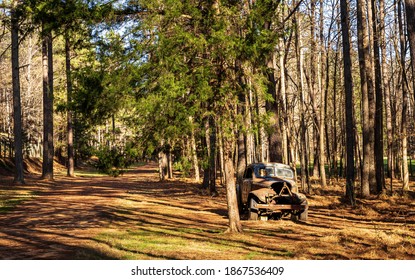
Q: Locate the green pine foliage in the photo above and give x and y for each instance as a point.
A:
(191, 66)
(111, 161)
(147, 67)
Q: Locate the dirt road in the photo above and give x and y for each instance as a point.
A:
(64, 218)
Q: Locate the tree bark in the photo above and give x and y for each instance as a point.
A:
(322, 158)
(241, 148)
(348, 84)
(194, 151)
(162, 160)
(250, 143)
(275, 139)
(17, 107)
(233, 211)
(366, 83)
(283, 96)
(71, 161)
(48, 147)
(405, 99)
(386, 92)
(212, 157)
(378, 145)
(305, 175)
(313, 91)
(206, 152)
(410, 18)
(169, 163)
(262, 135)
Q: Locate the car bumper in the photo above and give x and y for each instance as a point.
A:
(281, 207)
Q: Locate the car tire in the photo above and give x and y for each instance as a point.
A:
(253, 212)
(303, 216)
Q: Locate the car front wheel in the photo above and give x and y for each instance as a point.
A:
(253, 210)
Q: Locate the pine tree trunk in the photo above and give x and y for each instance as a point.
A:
(378, 146)
(369, 53)
(241, 149)
(404, 123)
(17, 108)
(283, 94)
(410, 17)
(322, 159)
(233, 211)
(350, 193)
(194, 151)
(250, 144)
(386, 92)
(313, 92)
(212, 157)
(162, 160)
(220, 158)
(305, 176)
(48, 147)
(275, 139)
(262, 136)
(334, 136)
(366, 83)
(169, 163)
(206, 156)
(71, 161)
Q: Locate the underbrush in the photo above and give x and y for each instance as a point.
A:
(114, 161)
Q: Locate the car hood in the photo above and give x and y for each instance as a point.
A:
(268, 181)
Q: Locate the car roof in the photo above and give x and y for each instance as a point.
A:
(263, 164)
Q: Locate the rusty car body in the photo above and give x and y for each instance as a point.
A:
(269, 191)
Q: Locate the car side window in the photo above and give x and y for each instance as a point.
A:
(248, 173)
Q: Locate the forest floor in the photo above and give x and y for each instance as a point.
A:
(134, 216)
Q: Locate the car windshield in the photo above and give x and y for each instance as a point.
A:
(275, 171)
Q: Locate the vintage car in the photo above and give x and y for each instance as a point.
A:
(268, 191)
